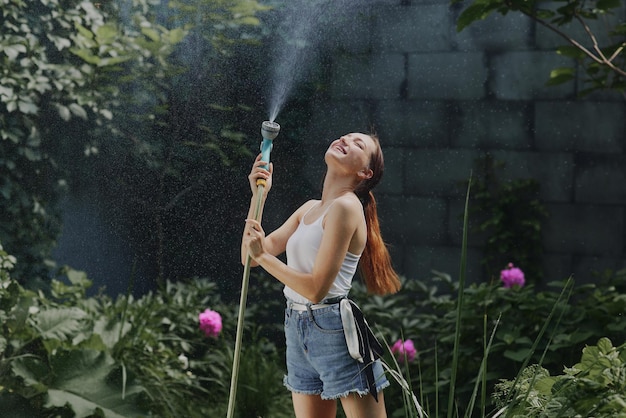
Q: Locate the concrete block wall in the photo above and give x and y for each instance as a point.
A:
(440, 99)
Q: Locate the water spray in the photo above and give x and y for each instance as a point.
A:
(269, 131)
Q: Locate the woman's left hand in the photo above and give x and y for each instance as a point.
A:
(254, 238)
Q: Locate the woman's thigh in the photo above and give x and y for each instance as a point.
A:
(356, 406)
(313, 406)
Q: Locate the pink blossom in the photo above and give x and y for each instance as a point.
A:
(404, 349)
(512, 276)
(210, 323)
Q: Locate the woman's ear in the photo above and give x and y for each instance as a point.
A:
(365, 174)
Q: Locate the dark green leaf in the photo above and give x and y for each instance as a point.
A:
(86, 380)
(517, 355)
(476, 11)
(59, 323)
(32, 371)
(544, 14)
(608, 4)
(570, 51)
(86, 55)
(560, 76)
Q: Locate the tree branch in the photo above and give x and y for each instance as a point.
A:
(600, 60)
(604, 60)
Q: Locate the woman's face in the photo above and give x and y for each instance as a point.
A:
(353, 151)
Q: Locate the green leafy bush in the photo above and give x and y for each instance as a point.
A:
(594, 387)
(597, 50)
(509, 215)
(68, 355)
(109, 100)
(425, 312)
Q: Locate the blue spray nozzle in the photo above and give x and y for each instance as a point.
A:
(269, 131)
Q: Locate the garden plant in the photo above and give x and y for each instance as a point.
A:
(169, 353)
(593, 33)
(514, 345)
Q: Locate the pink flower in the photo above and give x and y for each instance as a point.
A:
(512, 276)
(404, 349)
(210, 323)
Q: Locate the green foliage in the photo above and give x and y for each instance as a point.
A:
(69, 355)
(260, 392)
(98, 96)
(53, 360)
(170, 155)
(509, 216)
(425, 311)
(600, 56)
(222, 23)
(459, 308)
(596, 386)
(60, 62)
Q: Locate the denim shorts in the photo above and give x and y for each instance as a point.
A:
(318, 362)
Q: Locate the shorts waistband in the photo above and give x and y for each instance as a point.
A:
(313, 306)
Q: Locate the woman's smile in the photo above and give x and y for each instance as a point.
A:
(341, 148)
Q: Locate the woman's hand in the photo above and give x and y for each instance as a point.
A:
(259, 172)
(254, 239)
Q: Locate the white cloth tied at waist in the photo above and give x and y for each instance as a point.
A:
(362, 344)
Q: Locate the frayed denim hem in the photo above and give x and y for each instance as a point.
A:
(359, 392)
(301, 392)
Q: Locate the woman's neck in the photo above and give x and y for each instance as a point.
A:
(335, 186)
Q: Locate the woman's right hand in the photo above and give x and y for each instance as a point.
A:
(259, 172)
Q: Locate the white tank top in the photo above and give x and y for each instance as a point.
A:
(302, 248)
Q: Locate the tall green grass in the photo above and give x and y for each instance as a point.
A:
(412, 408)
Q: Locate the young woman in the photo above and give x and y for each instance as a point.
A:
(325, 240)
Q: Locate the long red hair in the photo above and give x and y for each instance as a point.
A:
(375, 264)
